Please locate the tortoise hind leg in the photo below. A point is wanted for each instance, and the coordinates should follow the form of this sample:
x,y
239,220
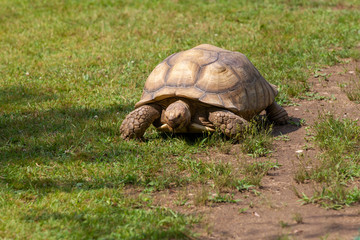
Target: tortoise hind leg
x,y
229,123
277,114
136,122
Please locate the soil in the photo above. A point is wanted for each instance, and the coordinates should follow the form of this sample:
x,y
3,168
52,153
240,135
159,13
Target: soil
x,y
270,214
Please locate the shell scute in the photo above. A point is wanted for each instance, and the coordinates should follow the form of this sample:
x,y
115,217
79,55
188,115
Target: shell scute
x,y
156,78
183,74
212,99
200,56
216,78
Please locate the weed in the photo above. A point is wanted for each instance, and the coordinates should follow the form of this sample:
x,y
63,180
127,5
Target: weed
x,y
224,198
243,210
334,197
317,74
298,218
182,198
222,175
201,197
282,137
301,175
225,147
256,193
215,139
314,96
337,164
257,139
336,135
243,185
352,89
297,123
254,173
283,224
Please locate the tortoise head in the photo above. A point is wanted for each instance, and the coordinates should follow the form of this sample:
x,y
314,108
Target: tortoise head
x,y
178,115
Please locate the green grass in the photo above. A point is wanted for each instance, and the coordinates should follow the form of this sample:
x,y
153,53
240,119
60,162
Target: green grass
x,y
255,171
71,70
352,88
84,214
338,164
257,139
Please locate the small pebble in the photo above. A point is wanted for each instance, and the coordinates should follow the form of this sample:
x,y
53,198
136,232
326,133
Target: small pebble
x,y
299,151
256,214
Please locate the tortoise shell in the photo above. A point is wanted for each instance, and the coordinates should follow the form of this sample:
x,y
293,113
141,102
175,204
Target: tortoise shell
x,y
213,76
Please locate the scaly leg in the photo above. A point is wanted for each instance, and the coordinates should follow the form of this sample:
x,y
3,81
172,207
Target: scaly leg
x,y
229,123
136,122
277,114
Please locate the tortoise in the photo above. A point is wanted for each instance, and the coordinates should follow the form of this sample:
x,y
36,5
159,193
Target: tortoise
x,y
202,89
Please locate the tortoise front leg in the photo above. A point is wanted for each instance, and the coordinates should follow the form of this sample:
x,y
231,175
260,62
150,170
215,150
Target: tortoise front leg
x,y
229,123
136,122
